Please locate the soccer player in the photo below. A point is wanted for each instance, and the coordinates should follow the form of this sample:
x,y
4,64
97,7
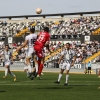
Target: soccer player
x,y
68,56
8,59
98,70
29,40
42,41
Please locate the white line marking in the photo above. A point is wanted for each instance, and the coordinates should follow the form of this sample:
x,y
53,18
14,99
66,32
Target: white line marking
x,y
45,81
48,84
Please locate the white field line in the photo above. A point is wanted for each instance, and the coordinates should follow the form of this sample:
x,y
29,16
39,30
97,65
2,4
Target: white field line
x,y
46,84
25,83
44,81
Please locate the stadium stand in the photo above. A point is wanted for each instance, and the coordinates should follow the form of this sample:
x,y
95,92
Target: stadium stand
x,y
72,26
53,54
64,28
96,32
91,57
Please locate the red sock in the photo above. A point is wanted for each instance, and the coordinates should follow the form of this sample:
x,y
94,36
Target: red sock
x,y
40,69
39,62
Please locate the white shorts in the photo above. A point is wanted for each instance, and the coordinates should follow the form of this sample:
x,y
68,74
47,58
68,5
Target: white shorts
x,y
29,52
65,66
25,67
7,63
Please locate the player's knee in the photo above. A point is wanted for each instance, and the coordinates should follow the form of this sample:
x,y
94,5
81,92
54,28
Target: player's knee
x,y
6,66
67,71
62,70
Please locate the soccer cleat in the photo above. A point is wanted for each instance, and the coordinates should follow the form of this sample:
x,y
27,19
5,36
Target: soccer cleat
x,y
39,78
57,82
98,87
14,78
4,76
65,84
32,78
99,76
42,73
36,74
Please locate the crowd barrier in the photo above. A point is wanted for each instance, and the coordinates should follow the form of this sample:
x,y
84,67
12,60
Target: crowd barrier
x,y
47,65
95,66
56,65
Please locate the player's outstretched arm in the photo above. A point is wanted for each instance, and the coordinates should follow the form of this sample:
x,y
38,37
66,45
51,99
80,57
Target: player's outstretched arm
x,y
24,44
2,54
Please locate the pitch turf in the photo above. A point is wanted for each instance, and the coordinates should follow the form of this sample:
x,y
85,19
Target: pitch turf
x,y
81,87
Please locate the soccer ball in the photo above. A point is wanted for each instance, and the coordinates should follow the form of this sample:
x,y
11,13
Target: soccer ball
x,y
38,10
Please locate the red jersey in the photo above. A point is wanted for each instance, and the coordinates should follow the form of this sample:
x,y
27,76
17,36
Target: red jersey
x,y
42,39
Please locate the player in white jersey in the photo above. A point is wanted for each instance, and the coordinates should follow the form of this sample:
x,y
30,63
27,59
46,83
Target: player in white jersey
x,y
29,41
8,59
68,56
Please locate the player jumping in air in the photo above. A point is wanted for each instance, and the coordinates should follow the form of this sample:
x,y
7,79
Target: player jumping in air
x,y
42,41
29,40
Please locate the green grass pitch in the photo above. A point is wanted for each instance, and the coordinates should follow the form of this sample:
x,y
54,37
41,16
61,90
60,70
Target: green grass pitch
x,y
81,87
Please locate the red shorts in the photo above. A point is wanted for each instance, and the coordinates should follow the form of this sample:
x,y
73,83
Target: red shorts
x,y
39,51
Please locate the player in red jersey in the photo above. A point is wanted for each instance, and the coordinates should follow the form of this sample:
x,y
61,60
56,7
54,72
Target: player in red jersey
x,y
42,41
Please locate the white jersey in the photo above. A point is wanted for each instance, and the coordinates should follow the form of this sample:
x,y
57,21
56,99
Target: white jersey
x,y
68,55
7,56
31,38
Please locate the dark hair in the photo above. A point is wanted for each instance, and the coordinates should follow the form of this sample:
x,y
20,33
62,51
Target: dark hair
x,y
6,45
68,44
46,29
32,29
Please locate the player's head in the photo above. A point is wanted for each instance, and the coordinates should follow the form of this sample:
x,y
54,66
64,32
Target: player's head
x,y
32,29
67,45
46,29
6,46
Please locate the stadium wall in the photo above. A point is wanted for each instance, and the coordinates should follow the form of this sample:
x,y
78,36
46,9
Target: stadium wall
x,y
83,39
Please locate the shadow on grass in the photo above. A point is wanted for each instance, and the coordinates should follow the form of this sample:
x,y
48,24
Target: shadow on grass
x,y
2,91
63,87
56,87
81,85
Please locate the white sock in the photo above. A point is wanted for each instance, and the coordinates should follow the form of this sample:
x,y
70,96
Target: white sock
x,y
36,66
60,75
29,69
27,72
12,74
67,76
6,71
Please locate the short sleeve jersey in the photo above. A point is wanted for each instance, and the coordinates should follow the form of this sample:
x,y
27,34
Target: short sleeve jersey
x,y
31,40
42,39
7,55
68,55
